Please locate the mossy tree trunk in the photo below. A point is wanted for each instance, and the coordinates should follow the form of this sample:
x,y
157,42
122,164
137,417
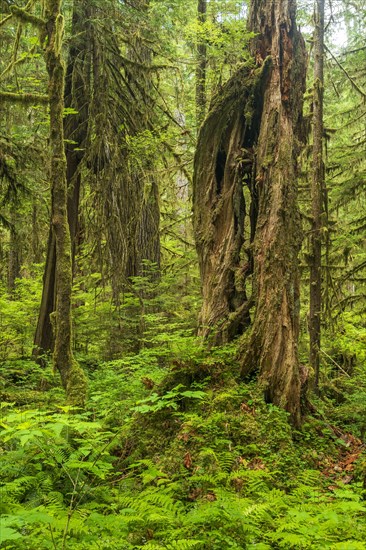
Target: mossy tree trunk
x,y
201,64
272,346
73,378
146,240
124,107
317,186
75,133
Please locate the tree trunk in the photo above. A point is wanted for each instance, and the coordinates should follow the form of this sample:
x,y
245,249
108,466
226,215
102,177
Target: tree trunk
x,y
146,241
36,240
272,346
223,162
75,130
148,233
317,186
201,65
72,377
14,250
43,338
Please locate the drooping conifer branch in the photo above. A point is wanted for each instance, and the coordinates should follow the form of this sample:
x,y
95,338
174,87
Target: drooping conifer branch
x,y
352,81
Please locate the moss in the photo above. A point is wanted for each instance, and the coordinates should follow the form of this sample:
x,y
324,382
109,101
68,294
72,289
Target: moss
x,y
26,17
77,385
25,99
59,33
73,378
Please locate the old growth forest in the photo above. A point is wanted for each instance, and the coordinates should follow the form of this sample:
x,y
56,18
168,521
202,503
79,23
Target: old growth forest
x,y
183,274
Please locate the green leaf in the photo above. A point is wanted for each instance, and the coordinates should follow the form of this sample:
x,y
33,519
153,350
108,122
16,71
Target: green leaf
x,y
7,533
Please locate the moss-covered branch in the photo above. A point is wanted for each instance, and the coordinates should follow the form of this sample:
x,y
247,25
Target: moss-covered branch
x,y
26,17
16,62
26,99
6,19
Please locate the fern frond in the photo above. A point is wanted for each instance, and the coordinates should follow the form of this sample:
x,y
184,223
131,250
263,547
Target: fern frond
x,y
226,460
185,544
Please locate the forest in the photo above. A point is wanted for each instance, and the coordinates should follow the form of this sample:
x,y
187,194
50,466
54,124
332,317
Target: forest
x,y
183,274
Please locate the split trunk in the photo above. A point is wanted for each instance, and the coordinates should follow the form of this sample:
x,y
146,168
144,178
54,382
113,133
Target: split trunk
x,y
272,346
251,137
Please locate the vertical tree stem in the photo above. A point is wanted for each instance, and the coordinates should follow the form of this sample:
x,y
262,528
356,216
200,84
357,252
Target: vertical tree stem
x,y
317,186
73,378
201,65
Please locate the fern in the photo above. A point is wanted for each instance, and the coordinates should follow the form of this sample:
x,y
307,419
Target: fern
x,y
226,460
184,544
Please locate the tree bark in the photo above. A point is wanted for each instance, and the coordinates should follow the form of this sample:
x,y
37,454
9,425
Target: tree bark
x,y
201,65
43,338
272,346
223,163
317,186
36,239
72,377
77,81
130,193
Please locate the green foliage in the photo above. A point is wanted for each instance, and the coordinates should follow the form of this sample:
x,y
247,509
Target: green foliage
x,y
53,466
172,451
18,317
169,400
205,464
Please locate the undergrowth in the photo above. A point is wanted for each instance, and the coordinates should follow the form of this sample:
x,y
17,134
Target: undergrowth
x,y
176,454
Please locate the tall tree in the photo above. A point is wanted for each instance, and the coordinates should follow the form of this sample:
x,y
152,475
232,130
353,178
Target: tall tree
x,y
73,378
201,64
123,115
77,90
317,187
251,135
272,347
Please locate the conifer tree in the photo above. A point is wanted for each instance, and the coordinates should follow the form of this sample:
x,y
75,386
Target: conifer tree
x,y
272,347
73,378
77,100
253,133
317,193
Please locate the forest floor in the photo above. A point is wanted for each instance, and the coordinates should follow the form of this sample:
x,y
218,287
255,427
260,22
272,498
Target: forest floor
x,y
179,455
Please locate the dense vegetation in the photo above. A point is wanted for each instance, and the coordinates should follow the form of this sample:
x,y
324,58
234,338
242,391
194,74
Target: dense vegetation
x,y
158,418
